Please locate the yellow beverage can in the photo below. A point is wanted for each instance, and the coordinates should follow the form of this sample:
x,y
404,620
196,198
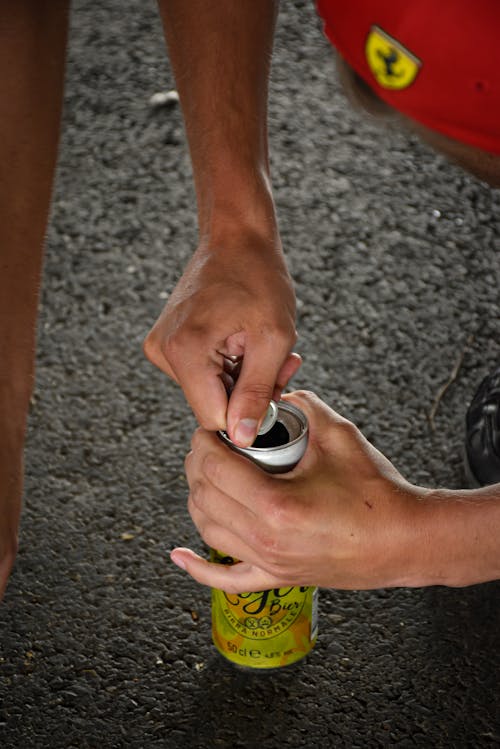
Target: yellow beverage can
x,y
277,627
266,629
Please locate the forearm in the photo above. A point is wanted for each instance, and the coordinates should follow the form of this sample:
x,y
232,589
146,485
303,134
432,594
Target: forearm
x,y
220,53
456,539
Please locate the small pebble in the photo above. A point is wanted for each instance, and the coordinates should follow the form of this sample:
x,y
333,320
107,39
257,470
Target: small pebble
x,y
162,98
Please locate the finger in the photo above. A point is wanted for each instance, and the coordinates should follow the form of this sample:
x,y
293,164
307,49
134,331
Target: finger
x,y
315,409
222,522
204,389
230,473
328,429
229,545
288,370
227,381
201,377
153,353
231,369
322,419
231,365
253,390
238,578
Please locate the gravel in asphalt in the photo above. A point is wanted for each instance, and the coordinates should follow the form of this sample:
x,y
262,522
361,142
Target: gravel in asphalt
x,y
395,255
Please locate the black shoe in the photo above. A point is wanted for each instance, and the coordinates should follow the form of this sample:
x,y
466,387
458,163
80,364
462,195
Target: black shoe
x,y
482,435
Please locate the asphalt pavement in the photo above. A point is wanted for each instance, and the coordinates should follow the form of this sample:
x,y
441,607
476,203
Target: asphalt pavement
x,y
395,255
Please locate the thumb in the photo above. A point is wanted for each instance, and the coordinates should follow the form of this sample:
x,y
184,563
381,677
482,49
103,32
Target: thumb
x,y
288,369
237,578
332,435
251,395
326,426
319,415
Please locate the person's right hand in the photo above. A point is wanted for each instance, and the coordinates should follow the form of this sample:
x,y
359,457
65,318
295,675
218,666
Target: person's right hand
x,y
235,300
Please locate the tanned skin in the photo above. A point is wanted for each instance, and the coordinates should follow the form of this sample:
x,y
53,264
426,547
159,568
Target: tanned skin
x,y
31,31
356,520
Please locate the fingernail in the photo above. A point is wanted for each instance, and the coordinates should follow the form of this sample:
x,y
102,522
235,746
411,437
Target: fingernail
x,y
178,561
246,430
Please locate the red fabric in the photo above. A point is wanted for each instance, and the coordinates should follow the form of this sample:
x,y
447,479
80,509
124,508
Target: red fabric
x,y
457,88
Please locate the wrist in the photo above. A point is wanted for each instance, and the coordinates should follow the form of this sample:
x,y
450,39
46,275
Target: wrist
x,y
453,539
232,202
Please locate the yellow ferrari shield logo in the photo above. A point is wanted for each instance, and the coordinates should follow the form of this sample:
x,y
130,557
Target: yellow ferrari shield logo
x,y
393,65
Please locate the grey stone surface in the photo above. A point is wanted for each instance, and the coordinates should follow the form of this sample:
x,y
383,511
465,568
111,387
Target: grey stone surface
x,y
395,257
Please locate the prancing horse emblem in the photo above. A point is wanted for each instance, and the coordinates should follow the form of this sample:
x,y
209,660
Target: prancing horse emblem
x,y
393,66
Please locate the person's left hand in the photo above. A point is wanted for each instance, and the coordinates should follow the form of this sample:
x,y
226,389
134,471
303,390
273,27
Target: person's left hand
x,y
342,518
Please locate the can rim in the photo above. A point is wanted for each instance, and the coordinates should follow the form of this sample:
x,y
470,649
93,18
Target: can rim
x,y
284,405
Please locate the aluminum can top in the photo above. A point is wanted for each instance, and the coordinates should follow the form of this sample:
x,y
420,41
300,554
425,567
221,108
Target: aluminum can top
x,y
281,448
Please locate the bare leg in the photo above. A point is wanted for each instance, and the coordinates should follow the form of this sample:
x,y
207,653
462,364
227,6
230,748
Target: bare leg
x,y
32,53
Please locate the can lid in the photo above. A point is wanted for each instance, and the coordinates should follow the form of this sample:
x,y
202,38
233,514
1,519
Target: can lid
x,y
269,418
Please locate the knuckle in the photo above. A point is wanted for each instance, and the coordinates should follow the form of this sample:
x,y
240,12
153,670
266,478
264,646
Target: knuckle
x,y
207,421
196,496
307,395
273,555
171,346
267,543
154,350
347,429
270,331
280,509
285,333
256,391
188,461
196,439
193,512
212,468
150,347
173,343
187,335
208,534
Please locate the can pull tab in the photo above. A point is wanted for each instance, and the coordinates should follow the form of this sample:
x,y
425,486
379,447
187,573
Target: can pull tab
x,y
269,418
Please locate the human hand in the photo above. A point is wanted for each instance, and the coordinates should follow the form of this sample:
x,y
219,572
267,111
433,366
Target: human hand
x,y
342,518
234,301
